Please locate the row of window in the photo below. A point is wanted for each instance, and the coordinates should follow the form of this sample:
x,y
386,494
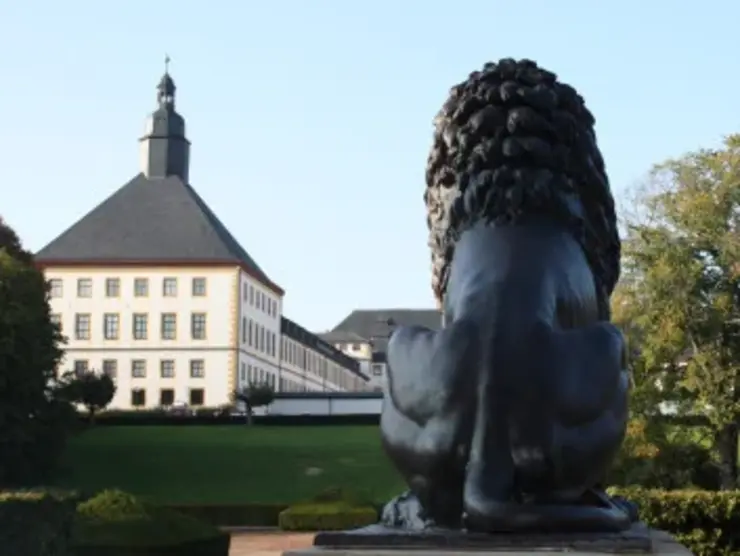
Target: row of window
x,y
303,358
260,300
257,336
253,373
287,385
139,326
196,397
294,353
139,368
141,287
348,347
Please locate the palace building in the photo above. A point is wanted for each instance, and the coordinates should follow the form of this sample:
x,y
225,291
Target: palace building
x,y
363,335
151,288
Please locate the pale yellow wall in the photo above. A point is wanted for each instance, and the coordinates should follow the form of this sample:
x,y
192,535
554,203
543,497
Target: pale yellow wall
x,y
217,350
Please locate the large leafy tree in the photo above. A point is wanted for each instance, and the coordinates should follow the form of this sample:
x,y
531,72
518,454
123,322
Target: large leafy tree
x,y
33,422
680,294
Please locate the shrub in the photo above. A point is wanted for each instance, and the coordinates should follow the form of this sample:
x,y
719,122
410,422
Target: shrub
x,y
114,523
708,523
326,516
158,417
35,523
93,390
650,459
253,515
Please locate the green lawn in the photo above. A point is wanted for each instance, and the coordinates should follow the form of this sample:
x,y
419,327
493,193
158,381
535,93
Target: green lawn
x,y
230,464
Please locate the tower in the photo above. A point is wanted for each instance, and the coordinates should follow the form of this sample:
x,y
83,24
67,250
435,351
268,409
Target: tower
x,y
165,151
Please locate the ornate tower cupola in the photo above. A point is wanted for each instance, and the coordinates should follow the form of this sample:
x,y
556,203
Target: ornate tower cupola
x,y
165,151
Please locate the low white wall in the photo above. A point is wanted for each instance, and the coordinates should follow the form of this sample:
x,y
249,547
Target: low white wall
x,y
335,404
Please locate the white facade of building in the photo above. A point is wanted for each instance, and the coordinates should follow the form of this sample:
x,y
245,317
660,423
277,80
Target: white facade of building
x,y
163,333
259,333
183,335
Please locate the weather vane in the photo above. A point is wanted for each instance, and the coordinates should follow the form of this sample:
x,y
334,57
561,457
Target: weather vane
x,y
166,63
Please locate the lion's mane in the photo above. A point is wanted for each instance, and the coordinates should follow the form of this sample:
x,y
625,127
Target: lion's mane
x,y
512,141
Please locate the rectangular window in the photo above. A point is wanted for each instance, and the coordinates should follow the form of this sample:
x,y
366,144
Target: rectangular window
x,y
166,397
56,287
198,326
244,372
244,291
169,287
197,368
167,368
112,287
169,326
258,304
197,396
262,338
82,326
199,287
110,367
141,287
110,326
56,320
251,295
81,366
84,287
251,340
377,370
141,326
138,368
138,397
244,330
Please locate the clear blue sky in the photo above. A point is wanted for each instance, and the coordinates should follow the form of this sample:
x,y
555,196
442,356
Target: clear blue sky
x,y
311,119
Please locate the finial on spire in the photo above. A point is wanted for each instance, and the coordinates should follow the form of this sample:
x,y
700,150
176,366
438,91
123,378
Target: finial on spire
x,y
167,61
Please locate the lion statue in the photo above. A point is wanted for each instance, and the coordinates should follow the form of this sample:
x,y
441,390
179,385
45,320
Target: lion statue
x,y
508,418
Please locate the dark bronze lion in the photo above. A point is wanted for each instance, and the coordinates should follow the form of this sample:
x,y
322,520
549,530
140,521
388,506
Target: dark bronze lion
x,y
508,418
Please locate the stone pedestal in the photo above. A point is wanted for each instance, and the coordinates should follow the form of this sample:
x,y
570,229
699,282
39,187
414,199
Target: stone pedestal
x,y
377,540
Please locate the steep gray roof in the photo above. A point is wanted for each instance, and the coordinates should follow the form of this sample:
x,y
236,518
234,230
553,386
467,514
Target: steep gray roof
x,y
376,324
343,337
151,220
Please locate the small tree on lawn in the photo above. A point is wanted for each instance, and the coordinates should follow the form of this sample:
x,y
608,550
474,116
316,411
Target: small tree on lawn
x,y
93,390
256,394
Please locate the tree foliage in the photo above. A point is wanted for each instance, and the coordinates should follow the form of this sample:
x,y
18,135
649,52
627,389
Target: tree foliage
x,y
93,390
33,423
680,294
256,394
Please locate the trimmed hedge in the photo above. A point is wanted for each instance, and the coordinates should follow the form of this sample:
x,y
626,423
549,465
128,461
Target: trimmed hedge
x,y
706,522
253,515
114,523
326,516
35,523
160,418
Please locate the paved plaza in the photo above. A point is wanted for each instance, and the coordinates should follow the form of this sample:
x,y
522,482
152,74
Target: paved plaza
x,y
267,543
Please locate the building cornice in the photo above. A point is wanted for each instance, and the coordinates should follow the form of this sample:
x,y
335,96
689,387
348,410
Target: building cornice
x,y
44,264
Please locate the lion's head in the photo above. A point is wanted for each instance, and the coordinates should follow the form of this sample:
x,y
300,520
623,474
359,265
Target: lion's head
x,y
512,141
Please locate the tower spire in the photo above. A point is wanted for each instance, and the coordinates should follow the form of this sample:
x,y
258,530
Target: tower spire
x,y
165,150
